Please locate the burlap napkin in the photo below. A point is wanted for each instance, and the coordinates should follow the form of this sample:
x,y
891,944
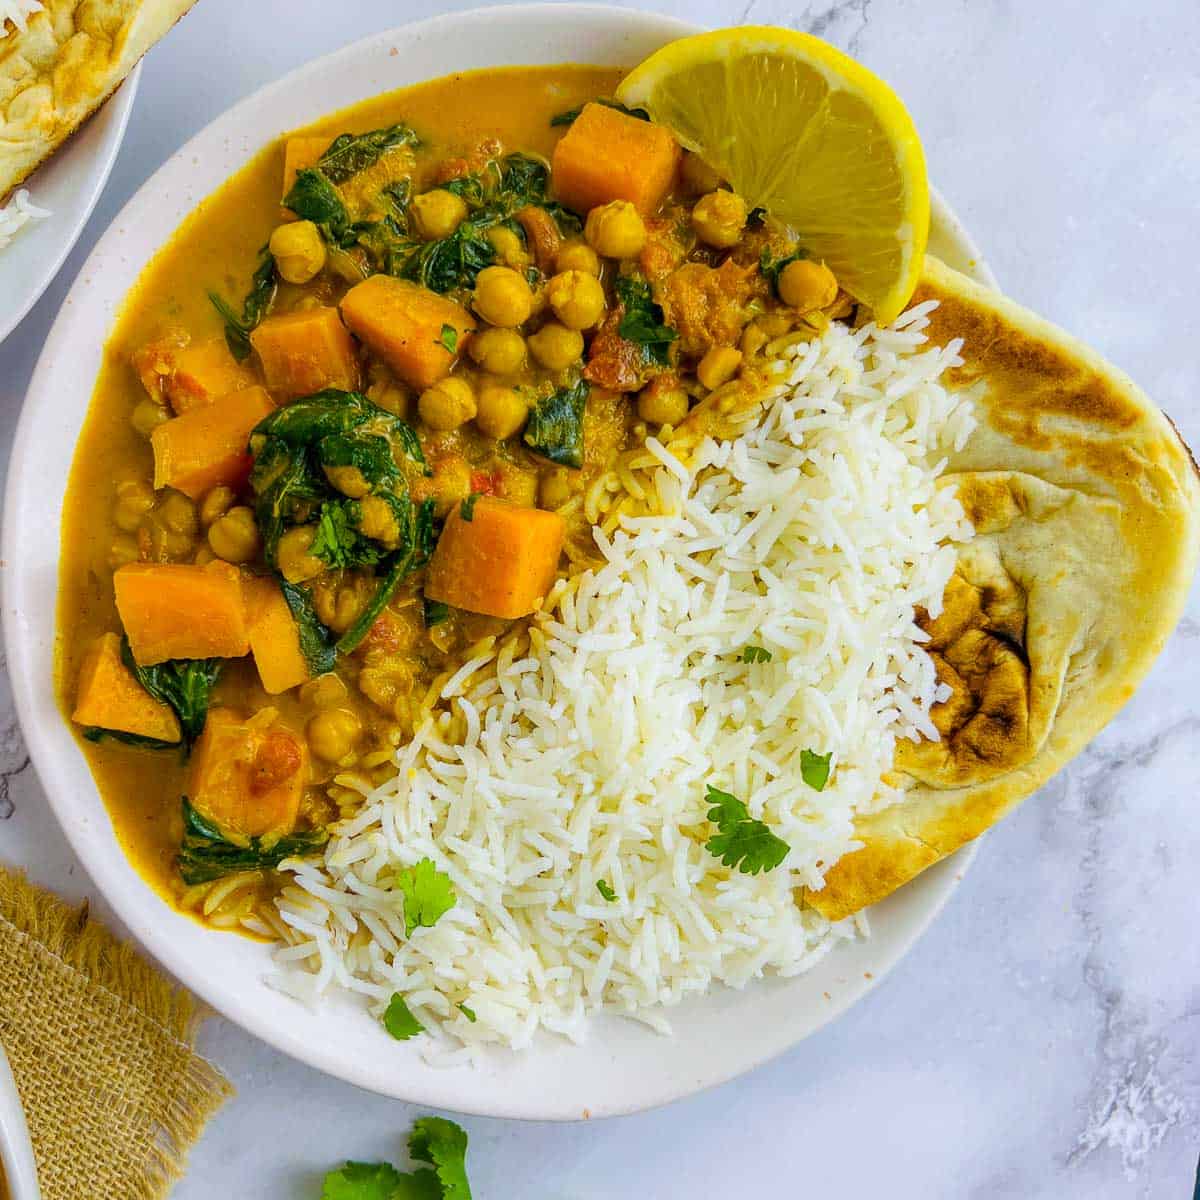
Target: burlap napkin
x,y
102,1049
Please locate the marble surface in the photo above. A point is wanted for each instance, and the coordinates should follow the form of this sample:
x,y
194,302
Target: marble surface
x,y
1041,1040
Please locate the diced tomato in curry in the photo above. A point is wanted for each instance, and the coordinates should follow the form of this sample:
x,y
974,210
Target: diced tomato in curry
x,y
293,510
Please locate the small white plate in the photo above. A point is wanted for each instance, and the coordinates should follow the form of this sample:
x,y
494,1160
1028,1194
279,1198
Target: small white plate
x,y
16,1151
69,185
622,1067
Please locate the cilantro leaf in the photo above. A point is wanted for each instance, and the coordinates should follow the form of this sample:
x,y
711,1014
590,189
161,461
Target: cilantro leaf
x,y
755,654
643,321
741,840
606,890
361,1181
449,338
398,1021
338,542
428,895
469,1013
443,1145
772,267
814,768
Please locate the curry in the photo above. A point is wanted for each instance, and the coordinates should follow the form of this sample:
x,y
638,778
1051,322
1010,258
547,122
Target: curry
x,y
347,426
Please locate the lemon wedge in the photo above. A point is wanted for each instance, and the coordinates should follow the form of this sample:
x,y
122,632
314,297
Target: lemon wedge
x,y
813,137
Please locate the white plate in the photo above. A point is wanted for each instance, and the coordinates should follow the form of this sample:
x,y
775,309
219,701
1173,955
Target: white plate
x,y
623,1067
16,1151
69,186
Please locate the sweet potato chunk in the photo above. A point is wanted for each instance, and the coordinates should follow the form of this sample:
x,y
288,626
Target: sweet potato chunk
x,y
274,637
248,775
501,562
207,446
178,610
205,371
608,155
110,697
303,352
402,322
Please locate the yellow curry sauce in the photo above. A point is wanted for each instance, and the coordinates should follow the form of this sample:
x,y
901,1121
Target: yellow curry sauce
x,y
723,282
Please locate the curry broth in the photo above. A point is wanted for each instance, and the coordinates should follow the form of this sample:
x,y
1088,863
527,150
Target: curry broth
x,y
215,249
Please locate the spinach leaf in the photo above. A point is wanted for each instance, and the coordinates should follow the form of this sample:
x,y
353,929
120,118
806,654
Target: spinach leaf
x,y
206,853
569,117
772,267
94,733
412,554
313,198
555,426
354,152
256,305
370,453
285,484
434,612
316,643
183,684
643,321
467,508
449,263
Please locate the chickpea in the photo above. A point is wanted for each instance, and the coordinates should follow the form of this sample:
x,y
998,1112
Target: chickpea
x,y
234,537
341,605
437,213
577,299
326,691
502,296
698,177
216,503
124,550
662,402
557,487
806,285
333,732
500,351
298,250
556,347
377,519
292,555
147,416
577,256
719,219
391,397
509,247
178,514
615,230
502,410
135,498
718,366
203,556
450,484
350,481
448,404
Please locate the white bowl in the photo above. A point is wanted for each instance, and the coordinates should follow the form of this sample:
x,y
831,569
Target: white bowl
x,y
69,185
16,1151
623,1067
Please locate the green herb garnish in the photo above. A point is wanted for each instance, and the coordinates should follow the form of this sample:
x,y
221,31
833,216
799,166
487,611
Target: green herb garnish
x,y
741,841
443,1145
467,507
814,768
398,1021
449,339
772,267
605,889
643,321
469,1013
428,895
207,853
755,654
256,305
555,426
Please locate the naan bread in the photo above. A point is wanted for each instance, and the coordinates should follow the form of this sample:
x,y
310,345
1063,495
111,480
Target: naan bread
x,y
63,66
1086,505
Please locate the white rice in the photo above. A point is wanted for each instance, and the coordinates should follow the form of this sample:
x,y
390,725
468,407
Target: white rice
x,y
814,535
18,13
17,214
